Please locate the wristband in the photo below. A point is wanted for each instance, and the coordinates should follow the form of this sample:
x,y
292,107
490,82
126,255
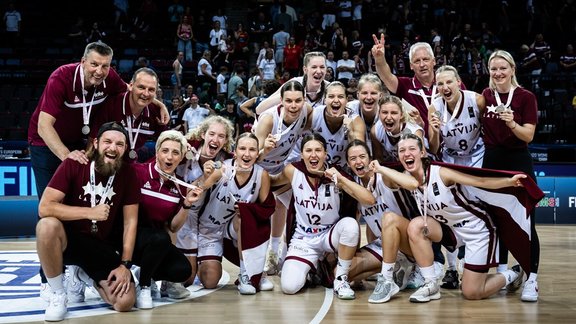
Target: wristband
x,y
186,207
126,263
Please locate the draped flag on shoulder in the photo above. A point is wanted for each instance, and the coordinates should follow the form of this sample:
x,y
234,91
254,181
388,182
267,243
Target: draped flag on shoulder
x,y
255,228
509,208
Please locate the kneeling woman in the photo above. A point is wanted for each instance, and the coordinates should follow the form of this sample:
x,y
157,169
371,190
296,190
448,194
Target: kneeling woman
x,y
318,226
238,194
163,207
456,217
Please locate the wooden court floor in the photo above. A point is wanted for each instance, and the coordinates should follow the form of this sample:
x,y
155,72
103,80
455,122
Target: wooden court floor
x,y
557,303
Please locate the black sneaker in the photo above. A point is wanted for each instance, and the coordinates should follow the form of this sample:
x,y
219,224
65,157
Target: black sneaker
x,y
450,280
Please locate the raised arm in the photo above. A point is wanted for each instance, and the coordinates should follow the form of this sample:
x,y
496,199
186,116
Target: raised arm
x,y
358,192
245,107
393,178
382,67
451,176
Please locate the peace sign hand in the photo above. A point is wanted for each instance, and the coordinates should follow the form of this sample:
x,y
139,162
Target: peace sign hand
x,y
378,48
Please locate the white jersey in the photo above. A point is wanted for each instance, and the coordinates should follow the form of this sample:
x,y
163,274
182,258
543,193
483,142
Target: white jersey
x,y
461,138
218,209
320,99
335,142
386,201
317,209
276,159
452,206
354,107
389,142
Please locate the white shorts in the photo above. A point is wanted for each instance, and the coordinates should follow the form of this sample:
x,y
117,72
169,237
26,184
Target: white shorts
x,y
187,236
211,241
481,252
375,248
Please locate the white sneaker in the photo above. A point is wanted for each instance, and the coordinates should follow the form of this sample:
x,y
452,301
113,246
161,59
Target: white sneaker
x,y
383,291
530,291
245,286
430,291
144,298
45,292
415,279
272,267
342,288
438,269
174,290
57,308
266,284
75,287
402,270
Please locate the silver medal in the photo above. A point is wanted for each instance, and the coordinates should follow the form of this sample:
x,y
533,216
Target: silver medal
x,y
132,154
94,228
85,129
500,109
437,114
189,155
217,165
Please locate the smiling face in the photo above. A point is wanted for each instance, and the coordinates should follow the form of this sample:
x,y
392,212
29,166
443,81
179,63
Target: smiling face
x,y
368,95
315,70
335,101
390,115
214,139
110,148
96,68
501,72
410,155
169,156
358,160
143,90
246,152
448,86
422,63
314,156
292,103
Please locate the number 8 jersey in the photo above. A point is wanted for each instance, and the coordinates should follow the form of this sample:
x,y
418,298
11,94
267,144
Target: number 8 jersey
x,y
461,133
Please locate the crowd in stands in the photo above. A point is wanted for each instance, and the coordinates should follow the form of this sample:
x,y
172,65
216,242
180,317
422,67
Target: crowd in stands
x,y
270,39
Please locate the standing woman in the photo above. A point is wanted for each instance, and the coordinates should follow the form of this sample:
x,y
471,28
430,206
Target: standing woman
x,y
313,82
205,74
278,130
318,225
393,122
454,128
509,123
185,36
370,89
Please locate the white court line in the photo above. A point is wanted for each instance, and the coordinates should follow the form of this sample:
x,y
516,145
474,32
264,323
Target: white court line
x,y
328,298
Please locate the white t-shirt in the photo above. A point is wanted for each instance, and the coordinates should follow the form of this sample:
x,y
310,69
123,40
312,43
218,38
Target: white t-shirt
x,y
194,116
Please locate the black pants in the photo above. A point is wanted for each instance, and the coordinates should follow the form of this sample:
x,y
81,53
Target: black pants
x,y
96,257
158,258
501,158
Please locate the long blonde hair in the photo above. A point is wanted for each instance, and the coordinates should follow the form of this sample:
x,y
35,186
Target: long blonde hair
x,y
406,118
197,132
